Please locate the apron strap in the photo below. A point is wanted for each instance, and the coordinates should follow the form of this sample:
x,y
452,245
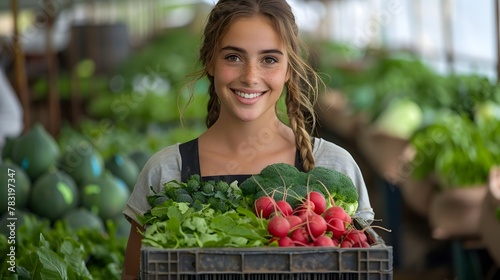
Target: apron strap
x,y
190,159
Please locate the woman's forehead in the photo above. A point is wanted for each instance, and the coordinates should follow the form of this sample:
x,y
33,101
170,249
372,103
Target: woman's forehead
x,y
254,32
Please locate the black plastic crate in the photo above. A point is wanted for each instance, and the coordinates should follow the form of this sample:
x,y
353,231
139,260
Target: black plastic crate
x,y
269,263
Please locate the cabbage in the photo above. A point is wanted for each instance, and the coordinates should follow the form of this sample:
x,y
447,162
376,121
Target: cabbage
x,y
487,111
401,118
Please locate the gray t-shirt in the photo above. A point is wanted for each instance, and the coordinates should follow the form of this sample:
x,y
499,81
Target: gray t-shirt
x,y
166,164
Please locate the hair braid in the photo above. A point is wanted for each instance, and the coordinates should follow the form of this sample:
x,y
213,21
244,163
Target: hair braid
x,y
302,92
298,125
213,107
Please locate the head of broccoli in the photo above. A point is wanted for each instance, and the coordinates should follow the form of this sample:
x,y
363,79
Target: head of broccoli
x,y
274,175
334,184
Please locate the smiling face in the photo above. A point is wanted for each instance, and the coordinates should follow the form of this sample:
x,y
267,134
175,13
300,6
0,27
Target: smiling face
x,y
250,70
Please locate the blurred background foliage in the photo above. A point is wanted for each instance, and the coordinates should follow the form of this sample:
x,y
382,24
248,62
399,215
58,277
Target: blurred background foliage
x,y
131,99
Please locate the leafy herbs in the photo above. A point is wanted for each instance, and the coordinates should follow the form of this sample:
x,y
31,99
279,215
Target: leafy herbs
x,y
460,151
176,225
218,195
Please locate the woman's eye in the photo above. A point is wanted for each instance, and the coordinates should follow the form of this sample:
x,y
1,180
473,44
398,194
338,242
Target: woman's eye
x,y
232,58
270,60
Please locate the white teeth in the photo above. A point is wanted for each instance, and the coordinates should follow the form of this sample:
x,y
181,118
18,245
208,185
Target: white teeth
x,y
247,95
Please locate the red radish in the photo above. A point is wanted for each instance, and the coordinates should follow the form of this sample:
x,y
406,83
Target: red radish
x,y
337,227
278,226
346,244
335,241
286,241
356,235
335,224
324,241
338,234
295,221
303,216
361,244
316,225
300,236
264,206
337,212
307,207
318,200
284,207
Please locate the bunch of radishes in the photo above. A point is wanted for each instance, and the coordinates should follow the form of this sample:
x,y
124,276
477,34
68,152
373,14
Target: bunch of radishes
x,y
312,223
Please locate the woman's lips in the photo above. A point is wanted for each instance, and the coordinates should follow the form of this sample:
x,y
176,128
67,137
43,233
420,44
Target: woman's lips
x,y
247,95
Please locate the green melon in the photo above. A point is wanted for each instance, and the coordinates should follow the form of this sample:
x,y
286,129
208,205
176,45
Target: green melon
x,y
82,161
13,177
82,218
8,147
106,196
36,151
124,168
53,194
140,157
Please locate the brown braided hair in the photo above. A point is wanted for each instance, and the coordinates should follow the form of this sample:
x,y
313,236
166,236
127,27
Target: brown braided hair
x,y
301,88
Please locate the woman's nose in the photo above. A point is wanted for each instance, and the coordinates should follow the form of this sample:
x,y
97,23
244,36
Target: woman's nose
x,y
250,73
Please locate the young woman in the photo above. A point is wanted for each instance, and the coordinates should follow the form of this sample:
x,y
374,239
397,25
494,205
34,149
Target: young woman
x,y
251,54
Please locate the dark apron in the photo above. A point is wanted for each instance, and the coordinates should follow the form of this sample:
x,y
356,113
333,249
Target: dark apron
x,y
191,164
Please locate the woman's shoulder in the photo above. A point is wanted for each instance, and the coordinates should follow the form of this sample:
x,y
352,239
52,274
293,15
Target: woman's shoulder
x,y
331,155
166,160
327,149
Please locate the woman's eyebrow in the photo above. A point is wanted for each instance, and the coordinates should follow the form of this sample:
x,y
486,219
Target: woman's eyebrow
x,y
240,50
233,48
274,51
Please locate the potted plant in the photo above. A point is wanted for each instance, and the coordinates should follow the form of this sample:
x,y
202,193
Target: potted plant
x,y
460,152
489,222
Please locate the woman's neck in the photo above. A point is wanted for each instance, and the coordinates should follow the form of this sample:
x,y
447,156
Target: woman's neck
x,y
245,148
233,134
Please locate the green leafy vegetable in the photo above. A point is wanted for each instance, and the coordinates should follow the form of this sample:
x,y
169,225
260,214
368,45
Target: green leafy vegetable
x,y
218,195
284,181
458,150
176,225
57,252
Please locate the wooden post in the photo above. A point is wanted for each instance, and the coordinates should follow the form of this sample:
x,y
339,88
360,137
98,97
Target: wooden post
x,y
20,80
73,57
52,73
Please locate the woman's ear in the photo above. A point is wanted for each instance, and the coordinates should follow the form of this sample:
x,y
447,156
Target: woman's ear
x,y
210,69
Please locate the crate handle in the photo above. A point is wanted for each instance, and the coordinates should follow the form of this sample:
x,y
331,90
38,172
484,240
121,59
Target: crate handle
x,y
377,241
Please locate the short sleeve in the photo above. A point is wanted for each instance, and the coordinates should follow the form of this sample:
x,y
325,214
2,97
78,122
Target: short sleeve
x,y
162,167
332,156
